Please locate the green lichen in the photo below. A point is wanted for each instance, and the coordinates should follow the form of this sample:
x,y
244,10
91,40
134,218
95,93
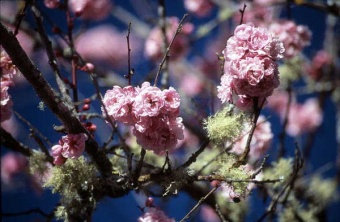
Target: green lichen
x,y
223,126
294,211
38,165
74,181
228,170
282,169
291,70
322,191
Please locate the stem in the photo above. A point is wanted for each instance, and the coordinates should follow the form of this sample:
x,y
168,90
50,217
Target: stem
x,y
199,203
130,71
166,55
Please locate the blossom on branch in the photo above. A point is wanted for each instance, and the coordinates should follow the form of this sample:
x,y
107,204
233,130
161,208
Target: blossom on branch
x,y
89,9
154,215
294,37
152,112
250,69
70,146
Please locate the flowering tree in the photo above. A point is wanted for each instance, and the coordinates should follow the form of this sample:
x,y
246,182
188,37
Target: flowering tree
x,y
222,104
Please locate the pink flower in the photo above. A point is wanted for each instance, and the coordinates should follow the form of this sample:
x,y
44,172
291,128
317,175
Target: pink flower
x,y
152,112
149,102
154,43
154,215
260,142
52,3
304,118
208,214
191,85
89,9
278,102
5,102
57,155
250,66
70,146
105,44
118,102
12,164
294,37
320,60
8,69
161,134
198,7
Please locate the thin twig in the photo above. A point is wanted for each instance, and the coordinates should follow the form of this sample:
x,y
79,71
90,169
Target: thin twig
x,y
194,156
283,134
257,110
10,142
139,167
199,203
130,71
21,118
50,54
20,17
178,30
242,11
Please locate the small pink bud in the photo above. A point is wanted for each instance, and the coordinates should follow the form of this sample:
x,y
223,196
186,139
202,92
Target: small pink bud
x,y
88,67
87,101
149,202
86,107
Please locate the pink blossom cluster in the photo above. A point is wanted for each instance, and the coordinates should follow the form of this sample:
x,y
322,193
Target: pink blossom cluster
x,y
320,60
52,3
152,112
302,118
199,7
294,37
154,215
260,142
70,146
250,66
12,164
89,9
8,72
104,44
154,43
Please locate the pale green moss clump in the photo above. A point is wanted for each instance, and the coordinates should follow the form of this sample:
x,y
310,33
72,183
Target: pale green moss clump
x,y
230,172
282,169
74,181
291,70
38,165
322,191
224,125
295,210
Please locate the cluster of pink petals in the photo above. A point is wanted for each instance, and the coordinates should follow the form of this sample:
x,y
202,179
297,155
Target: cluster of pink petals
x,y
12,164
89,9
320,60
154,43
152,112
260,142
294,37
70,146
250,65
199,7
302,118
52,3
104,44
8,72
154,215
